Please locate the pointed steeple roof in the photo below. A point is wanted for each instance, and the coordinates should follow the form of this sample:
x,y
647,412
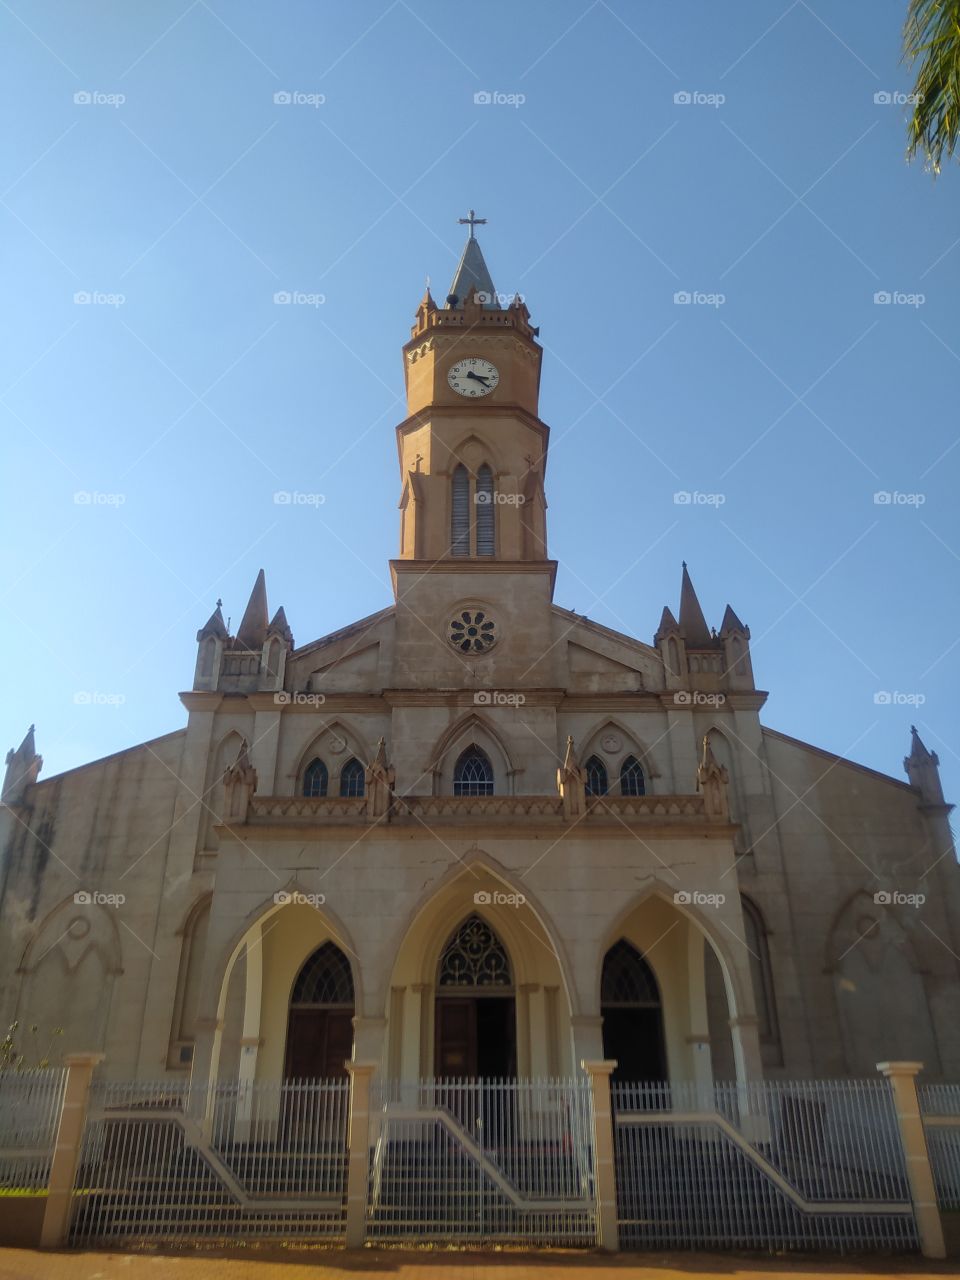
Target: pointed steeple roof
x,y
918,751
253,627
732,623
693,623
472,274
668,623
214,626
280,627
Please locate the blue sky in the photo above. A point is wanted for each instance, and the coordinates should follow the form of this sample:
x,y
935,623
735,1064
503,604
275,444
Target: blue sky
x,y
177,184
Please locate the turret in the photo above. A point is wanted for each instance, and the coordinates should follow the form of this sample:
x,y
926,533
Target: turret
x,y
735,638
923,770
252,660
210,639
669,641
23,768
697,659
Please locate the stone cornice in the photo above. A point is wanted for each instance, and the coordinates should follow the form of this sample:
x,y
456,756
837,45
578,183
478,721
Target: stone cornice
x,y
464,698
484,410
469,566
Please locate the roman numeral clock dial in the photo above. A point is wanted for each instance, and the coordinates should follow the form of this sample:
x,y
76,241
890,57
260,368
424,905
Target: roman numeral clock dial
x,y
473,376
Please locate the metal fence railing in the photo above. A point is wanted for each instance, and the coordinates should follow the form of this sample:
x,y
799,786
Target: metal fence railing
x,y
483,1160
162,1162
799,1164
30,1104
940,1109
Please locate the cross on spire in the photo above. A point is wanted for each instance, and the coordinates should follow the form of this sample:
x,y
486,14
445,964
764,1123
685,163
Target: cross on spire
x,y
471,222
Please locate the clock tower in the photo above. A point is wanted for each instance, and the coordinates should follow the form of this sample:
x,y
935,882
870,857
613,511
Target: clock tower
x,y
472,452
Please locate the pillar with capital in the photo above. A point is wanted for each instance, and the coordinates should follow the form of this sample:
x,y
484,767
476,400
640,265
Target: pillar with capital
x,y
903,1083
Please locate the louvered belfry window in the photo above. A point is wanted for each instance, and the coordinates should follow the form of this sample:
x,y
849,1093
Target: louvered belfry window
x,y
460,512
485,512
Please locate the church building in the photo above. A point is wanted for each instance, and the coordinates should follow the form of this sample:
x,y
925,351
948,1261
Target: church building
x,y
477,834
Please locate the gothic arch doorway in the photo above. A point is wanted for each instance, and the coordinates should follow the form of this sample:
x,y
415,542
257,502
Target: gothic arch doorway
x,y
320,1023
632,1015
476,1017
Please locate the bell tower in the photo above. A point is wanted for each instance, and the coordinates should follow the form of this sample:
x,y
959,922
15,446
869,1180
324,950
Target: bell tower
x,y
472,453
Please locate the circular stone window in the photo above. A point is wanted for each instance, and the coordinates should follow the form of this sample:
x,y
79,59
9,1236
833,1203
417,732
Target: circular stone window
x,y
472,631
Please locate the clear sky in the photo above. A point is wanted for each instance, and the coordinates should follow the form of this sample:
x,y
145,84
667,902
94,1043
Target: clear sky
x,y
182,197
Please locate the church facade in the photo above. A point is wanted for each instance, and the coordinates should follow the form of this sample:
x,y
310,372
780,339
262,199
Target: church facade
x,y
477,834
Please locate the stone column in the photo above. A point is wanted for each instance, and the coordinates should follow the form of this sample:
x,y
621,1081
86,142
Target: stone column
x,y
66,1154
903,1083
605,1174
525,992
251,1042
587,1037
358,1148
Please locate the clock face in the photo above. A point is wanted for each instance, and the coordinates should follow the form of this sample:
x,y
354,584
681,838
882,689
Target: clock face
x,y
473,376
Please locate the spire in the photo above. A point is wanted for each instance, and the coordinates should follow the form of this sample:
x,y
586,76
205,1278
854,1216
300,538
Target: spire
x,y
280,627
23,768
214,626
923,769
668,623
472,275
692,622
253,628
732,623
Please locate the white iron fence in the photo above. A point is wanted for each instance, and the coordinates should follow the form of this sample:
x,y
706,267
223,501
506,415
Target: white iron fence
x,y
162,1162
483,1161
29,1114
940,1108
811,1164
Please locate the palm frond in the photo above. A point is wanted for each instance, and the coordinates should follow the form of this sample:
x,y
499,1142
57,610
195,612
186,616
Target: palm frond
x,y
932,35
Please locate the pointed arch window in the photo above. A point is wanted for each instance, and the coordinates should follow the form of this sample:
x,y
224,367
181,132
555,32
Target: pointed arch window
x,y
474,957
628,981
473,773
315,778
460,512
351,778
486,509
755,932
325,979
596,772
631,778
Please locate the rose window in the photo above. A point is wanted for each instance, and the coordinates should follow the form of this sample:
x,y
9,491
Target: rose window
x,y
472,631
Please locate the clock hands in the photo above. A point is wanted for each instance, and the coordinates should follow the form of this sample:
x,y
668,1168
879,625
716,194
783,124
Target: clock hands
x,y
477,377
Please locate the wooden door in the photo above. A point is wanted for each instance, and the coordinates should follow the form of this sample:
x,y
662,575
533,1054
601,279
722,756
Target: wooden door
x,y
456,1038
319,1041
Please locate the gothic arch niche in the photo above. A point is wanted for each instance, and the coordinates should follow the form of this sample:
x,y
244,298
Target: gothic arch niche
x,y
725,755
472,731
224,756
537,964
764,991
69,969
475,1035
615,746
186,1009
632,1013
334,746
882,1004
320,1022
473,508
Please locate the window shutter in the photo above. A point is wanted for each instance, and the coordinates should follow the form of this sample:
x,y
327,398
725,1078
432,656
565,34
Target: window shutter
x,y
460,512
486,537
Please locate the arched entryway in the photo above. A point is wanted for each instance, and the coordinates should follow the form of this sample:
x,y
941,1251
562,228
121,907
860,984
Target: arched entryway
x,y
476,1017
320,1023
632,1014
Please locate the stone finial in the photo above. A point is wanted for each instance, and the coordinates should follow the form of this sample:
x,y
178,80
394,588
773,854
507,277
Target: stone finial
x,y
23,768
379,781
923,769
239,784
253,625
712,779
572,784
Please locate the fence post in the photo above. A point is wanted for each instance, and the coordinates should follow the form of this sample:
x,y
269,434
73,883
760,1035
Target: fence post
x,y
605,1174
358,1146
66,1152
903,1082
